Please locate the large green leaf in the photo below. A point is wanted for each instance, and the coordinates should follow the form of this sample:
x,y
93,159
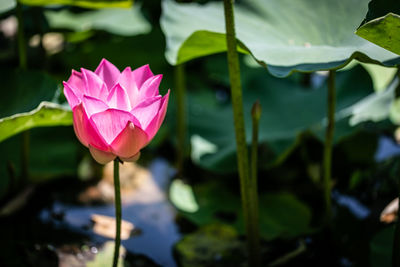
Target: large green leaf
x,y
125,22
281,214
24,102
81,3
284,35
288,110
383,31
375,107
46,114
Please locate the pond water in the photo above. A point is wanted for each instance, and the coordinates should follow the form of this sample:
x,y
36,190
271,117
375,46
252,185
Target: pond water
x,y
147,208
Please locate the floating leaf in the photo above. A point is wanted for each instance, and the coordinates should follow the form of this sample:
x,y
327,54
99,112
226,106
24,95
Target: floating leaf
x,y
81,3
285,36
126,22
211,244
182,197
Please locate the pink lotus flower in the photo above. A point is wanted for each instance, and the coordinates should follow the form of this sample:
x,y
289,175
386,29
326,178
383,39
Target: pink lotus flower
x,y
115,113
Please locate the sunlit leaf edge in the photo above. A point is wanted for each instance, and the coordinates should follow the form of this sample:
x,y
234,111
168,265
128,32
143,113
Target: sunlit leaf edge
x,y
46,114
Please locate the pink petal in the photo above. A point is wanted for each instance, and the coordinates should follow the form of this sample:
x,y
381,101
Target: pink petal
x,y
100,156
127,82
94,85
155,124
76,82
108,73
111,122
129,142
84,130
142,74
131,159
93,105
147,110
118,98
150,86
72,98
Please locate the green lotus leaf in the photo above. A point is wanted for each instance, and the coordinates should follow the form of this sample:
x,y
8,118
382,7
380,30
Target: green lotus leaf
x,y
283,35
46,114
126,22
383,31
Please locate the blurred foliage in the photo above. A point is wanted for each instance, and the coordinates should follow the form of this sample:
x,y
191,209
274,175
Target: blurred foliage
x,y
126,22
281,214
61,38
282,101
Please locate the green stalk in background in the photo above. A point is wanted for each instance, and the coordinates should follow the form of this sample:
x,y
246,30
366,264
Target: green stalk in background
x,y
180,90
327,164
242,154
21,38
255,114
117,195
23,65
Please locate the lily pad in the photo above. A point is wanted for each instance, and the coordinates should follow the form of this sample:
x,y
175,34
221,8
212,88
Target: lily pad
x,y
289,109
212,245
81,3
284,36
281,214
126,22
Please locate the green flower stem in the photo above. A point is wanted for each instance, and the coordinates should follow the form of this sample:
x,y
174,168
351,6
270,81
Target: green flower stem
x,y
242,154
23,66
327,164
117,194
180,91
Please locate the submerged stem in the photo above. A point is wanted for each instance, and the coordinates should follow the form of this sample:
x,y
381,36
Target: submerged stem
x,y
242,153
117,193
181,114
327,164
